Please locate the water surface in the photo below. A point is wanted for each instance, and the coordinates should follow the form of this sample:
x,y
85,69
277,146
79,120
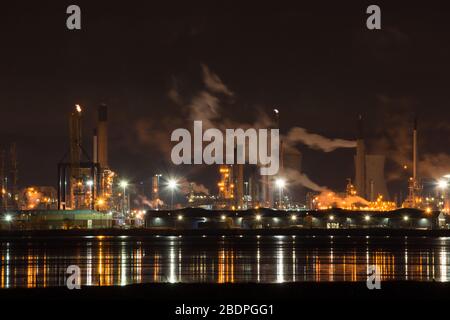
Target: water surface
x,y
219,259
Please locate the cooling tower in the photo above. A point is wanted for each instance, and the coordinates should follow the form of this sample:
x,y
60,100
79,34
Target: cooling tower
x,y
375,181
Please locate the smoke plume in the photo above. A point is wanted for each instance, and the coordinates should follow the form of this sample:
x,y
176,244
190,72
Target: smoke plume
x,y
152,204
395,140
297,178
435,165
315,141
207,106
214,83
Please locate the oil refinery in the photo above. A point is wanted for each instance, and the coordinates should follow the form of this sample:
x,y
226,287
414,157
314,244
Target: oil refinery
x,y
90,194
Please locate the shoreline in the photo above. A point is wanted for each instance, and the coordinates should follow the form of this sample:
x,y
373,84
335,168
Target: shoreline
x,y
142,232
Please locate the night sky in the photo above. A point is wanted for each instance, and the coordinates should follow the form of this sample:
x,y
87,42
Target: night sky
x,y
318,64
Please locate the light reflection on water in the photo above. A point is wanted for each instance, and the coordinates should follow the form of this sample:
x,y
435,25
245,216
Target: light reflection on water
x,y
121,261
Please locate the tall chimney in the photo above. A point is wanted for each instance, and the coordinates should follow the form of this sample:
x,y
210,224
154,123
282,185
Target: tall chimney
x,y
75,128
360,161
14,174
155,187
95,146
240,186
102,136
3,186
415,151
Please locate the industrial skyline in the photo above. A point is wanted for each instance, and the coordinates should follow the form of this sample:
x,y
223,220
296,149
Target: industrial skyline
x,y
85,180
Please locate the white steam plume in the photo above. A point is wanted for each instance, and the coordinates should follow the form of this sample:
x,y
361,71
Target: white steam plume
x,y
297,178
152,204
315,141
214,83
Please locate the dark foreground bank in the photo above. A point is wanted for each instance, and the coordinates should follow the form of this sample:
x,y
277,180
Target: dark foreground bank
x,y
233,301
177,292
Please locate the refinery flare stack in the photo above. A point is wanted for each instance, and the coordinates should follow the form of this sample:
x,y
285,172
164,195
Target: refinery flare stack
x,y
85,182
414,199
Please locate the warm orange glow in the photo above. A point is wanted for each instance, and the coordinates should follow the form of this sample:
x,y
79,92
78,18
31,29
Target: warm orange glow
x,y
226,187
100,201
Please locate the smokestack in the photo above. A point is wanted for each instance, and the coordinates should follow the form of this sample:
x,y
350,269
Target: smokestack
x,y
75,137
3,180
414,187
277,126
155,187
102,136
360,161
415,151
75,133
253,186
239,179
14,174
95,147
240,186
360,135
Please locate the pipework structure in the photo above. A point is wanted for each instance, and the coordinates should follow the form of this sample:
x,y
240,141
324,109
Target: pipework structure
x,y
85,183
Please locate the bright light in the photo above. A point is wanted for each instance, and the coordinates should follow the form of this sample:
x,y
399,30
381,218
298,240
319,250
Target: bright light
x,y
78,108
276,111
442,184
89,183
223,217
331,217
258,217
367,218
172,184
406,218
281,183
294,217
123,184
8,218
275,220
180,217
